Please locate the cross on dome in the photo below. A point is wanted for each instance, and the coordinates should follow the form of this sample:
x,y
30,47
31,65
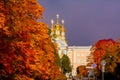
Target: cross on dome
x,y
52,21
57,18
62,21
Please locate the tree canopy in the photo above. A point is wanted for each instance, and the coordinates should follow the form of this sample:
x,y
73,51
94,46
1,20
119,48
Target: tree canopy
x,y
108,50
101,48
65,64
26,49
81,71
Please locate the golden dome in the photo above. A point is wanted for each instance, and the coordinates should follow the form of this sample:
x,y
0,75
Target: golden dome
x,y
57,26
62,29
52,30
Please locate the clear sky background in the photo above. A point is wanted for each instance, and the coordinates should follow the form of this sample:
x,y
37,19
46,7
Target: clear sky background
x,y
86,21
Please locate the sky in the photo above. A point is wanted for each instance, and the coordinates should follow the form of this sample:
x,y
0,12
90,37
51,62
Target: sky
x,y
86,21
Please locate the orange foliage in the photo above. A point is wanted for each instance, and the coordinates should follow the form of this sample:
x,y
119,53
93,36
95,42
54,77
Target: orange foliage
x,y
82,71
101,48
25,46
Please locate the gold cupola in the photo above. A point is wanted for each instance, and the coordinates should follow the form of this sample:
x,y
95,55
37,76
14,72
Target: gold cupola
x,y
63,28
57,26
52,26
58,29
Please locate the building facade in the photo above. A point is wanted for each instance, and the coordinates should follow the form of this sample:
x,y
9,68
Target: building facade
x,y
78,55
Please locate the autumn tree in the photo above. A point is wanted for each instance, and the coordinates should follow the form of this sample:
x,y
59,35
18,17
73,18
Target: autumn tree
x,y
117,71
81,71
26,50
112,60
112,57
101,48
108,50
117,50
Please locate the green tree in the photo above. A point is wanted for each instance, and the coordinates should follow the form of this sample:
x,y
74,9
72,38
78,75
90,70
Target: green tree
x,y
65,64
55,50
56,55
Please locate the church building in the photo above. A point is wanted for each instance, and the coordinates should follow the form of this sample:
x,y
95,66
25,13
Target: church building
x,y
78,55
58,35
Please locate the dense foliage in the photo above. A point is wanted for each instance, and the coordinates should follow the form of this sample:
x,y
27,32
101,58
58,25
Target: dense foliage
x,y
108,50
82,71
101,48
65,64
26,50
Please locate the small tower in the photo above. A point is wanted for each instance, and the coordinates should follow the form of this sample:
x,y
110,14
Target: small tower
x,y
52,29
57,26
58,35
62,31
57,16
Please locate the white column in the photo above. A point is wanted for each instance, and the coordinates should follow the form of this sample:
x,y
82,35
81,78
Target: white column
x,y
74,57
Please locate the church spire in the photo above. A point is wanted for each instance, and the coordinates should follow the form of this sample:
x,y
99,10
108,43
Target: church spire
x,y
52,29
57,16
63,31
52,22
62,22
